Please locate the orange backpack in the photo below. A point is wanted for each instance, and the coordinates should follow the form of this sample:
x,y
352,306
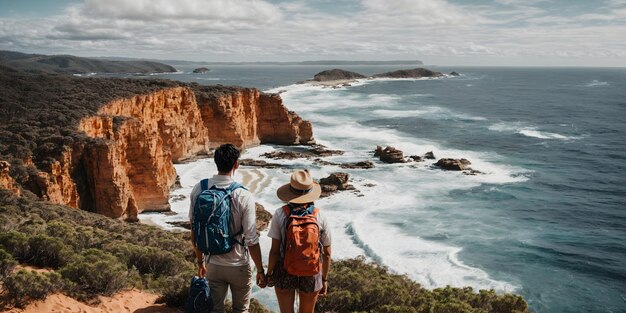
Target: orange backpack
x,y
302,248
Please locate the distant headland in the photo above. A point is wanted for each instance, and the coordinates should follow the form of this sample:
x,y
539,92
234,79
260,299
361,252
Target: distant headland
x,y
69,64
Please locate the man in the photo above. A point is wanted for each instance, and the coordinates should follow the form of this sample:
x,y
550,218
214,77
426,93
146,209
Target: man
x,y
231,269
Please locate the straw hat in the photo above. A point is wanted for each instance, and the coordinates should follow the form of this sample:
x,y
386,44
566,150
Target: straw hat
x,y
301,189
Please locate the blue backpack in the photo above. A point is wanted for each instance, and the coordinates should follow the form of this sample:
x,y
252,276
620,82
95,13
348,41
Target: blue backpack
x,y
212,219
199,299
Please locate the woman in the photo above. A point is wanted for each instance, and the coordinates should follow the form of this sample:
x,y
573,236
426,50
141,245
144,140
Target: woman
x,y
299,259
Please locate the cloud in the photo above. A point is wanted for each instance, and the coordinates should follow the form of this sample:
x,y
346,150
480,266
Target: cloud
x,y
206,10
312,29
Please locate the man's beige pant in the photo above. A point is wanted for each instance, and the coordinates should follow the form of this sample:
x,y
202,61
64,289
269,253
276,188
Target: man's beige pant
x,y
239,278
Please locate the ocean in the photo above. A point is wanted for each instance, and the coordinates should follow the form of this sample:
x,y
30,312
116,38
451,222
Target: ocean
x,y
546,219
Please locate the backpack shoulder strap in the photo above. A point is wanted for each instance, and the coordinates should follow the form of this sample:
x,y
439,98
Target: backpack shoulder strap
x,y
287,210
234,186
204,184
315,211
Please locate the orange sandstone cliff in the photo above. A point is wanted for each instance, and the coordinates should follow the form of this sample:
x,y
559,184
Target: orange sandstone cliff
x,y
247,117
127,164
6,181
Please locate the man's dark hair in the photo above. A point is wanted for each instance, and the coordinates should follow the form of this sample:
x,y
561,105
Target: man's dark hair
x,y
225,157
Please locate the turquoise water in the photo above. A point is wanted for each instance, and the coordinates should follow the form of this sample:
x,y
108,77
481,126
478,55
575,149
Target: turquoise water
x,y
547,219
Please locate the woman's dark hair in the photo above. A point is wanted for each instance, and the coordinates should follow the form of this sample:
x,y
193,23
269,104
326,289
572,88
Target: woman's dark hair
x,y
225,157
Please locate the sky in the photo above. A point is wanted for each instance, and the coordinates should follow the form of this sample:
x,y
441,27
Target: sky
x,y
438,32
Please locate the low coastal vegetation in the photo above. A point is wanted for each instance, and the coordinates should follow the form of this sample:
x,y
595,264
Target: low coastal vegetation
x,y
87,255
69,64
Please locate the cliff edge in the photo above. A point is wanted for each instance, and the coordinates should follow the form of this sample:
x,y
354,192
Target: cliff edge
x,y
108,145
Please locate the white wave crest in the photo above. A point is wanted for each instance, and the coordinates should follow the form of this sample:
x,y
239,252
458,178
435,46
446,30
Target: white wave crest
x,y
428,112
596,83
529,131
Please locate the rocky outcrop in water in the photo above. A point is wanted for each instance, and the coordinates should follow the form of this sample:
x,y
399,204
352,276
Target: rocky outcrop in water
x,y
416,158
358,165
259,163
318,151
201,70
455,74
453,164
389,154
335,182
411,73
336,74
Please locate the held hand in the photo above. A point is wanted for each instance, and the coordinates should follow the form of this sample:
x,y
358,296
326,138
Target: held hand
x,y
261,279
324,289
201,269
269,278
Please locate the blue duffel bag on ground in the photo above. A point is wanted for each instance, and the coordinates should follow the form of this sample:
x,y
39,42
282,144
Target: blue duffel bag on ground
x,y
199,300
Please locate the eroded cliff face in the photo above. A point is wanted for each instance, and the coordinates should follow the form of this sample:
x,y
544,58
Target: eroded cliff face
x,y
278,125
127,164
6,181
247,117
55,183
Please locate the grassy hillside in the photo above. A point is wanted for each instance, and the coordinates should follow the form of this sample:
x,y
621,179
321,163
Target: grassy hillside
x,y
69,64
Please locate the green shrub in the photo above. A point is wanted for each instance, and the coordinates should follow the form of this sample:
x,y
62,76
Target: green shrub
x,y
174,290
95,272
7,264
47,251
358,286
147,260
16,244
24,286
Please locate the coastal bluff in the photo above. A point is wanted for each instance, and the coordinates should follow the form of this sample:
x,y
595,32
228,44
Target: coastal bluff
x,y
108,145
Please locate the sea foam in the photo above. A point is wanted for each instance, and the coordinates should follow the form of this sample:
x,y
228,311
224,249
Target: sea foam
x,y
529,131
596,83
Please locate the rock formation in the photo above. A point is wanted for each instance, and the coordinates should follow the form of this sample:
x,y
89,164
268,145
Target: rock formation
x,y
360,164
389,154
278,125
263,217
453,164
128,165
335,182
416,158
259,163
412,73
55,183
455,74
429,155
318,151
201,70
6,181
336,74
